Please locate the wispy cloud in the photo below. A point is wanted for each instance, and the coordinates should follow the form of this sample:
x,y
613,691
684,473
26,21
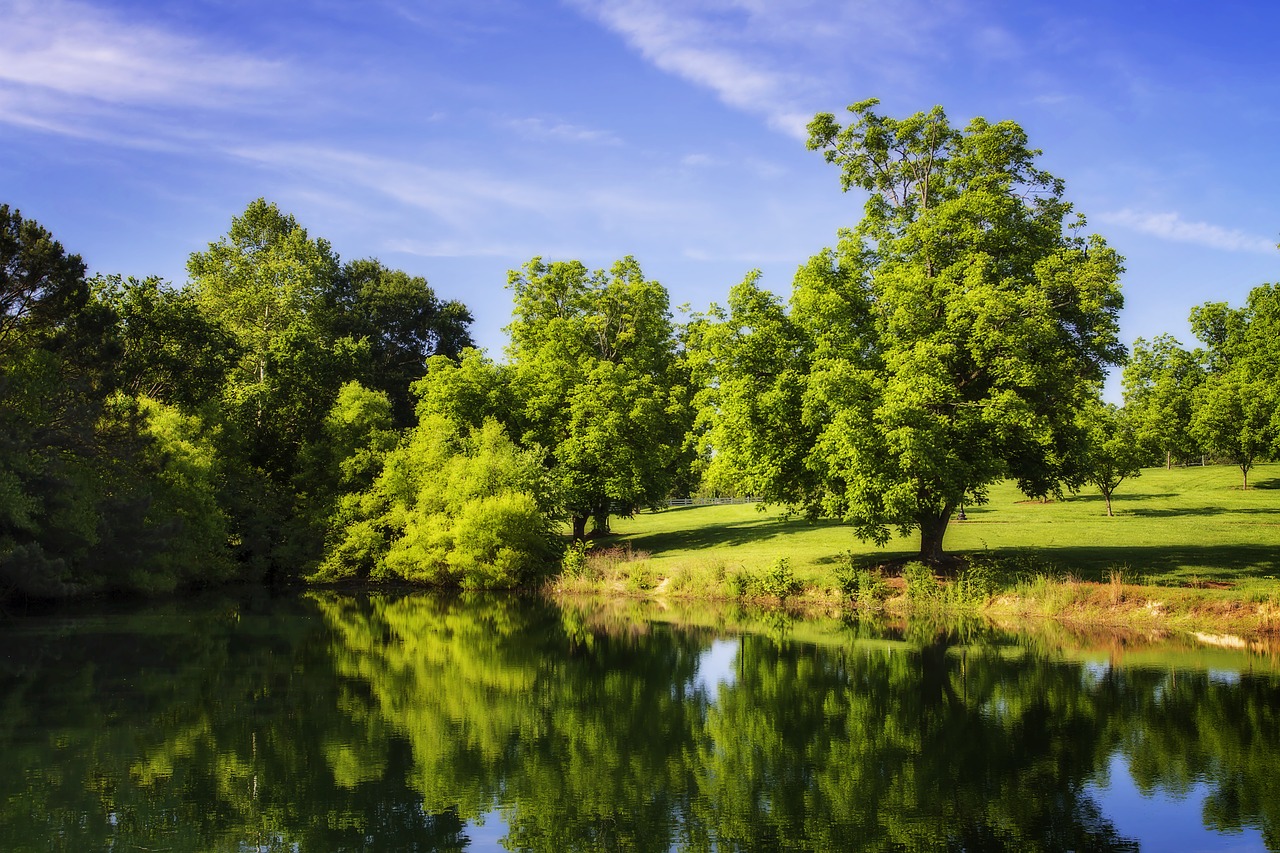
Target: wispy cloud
x,y
476,249
782,61
63,60
460,197
560,131
453,195
675,38
1171,226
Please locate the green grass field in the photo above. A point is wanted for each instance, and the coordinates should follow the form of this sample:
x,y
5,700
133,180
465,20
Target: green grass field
x,y
1188,526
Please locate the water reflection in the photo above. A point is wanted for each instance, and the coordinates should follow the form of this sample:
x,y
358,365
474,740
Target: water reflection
x,y
417,722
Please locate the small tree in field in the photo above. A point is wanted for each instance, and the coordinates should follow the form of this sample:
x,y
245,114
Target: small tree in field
x,y
1112,453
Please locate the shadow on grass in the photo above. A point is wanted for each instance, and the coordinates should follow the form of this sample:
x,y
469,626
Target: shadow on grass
x,y
1169,565
756,530
1273,483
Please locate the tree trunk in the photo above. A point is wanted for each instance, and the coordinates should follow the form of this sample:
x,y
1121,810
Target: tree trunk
x,y
933,526
1107,496
580,527
1244,469
1168,460
600,519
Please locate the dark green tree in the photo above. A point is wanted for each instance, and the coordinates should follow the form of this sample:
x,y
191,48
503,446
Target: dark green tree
x,y
404,323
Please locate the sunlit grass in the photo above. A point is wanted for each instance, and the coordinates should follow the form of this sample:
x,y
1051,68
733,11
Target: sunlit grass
x,y
1188,526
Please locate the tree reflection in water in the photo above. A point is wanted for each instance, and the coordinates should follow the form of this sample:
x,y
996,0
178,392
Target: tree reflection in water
x,y
396,722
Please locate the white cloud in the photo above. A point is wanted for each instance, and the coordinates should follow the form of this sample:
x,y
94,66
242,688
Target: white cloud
x,y
1171,226
675,39
697,161
475,249
453,195
463,198
559,131
62,60
782,61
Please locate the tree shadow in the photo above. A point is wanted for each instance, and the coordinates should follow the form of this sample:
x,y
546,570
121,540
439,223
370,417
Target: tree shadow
x,y
763,529
1160,563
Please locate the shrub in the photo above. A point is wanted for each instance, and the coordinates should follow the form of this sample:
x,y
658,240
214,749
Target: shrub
x,y
779,580
574,562
921,584
866,587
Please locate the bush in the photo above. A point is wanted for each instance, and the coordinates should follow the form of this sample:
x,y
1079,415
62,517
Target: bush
x,y
574,562
780,581
921,584
866,587
972,587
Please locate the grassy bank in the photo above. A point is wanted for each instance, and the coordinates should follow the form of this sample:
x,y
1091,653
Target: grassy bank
x,y
1186,550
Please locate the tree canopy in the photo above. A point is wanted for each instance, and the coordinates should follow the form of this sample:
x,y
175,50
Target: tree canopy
x,y
944,343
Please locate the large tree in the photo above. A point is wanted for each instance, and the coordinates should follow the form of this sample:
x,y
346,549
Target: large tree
x,y
403,323
595,374
949,339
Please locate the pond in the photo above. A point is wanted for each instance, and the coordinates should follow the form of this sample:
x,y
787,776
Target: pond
x,y
329,722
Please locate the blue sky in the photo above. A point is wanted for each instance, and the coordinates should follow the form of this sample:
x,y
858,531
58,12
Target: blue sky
x,y
456,140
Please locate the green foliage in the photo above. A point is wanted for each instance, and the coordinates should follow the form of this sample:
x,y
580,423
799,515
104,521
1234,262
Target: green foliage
x,y
1237,408
779,581
1235,418
1113,452
922,586
447,508
1160,380
402,322
597,385
941,346
574,561
866,587
170,349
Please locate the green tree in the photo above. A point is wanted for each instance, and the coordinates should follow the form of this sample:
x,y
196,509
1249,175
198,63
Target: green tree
x,y
750,364
262,278
449,507
1237,410
1160,380
264,281
170,349
950,336
595,373
1235,419
58,442
1113,452
404,323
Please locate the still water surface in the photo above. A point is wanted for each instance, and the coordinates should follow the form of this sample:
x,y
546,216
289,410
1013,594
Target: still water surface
x,y
329,722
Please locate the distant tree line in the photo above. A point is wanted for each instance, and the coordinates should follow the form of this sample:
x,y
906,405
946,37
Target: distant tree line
x,y
285,415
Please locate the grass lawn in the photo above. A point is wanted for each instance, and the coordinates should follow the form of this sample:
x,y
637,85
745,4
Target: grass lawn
x,y
1185,527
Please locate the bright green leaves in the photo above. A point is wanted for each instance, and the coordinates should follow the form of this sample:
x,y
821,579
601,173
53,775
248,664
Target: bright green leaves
x,y
597,384
448,507
1236,410
1160,382
944,344
263,277
1236,417
1112,451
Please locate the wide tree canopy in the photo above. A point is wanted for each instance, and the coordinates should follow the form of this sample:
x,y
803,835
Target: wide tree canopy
x,y
947,340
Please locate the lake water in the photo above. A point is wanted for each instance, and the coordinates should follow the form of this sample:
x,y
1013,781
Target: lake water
x,y
379,723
